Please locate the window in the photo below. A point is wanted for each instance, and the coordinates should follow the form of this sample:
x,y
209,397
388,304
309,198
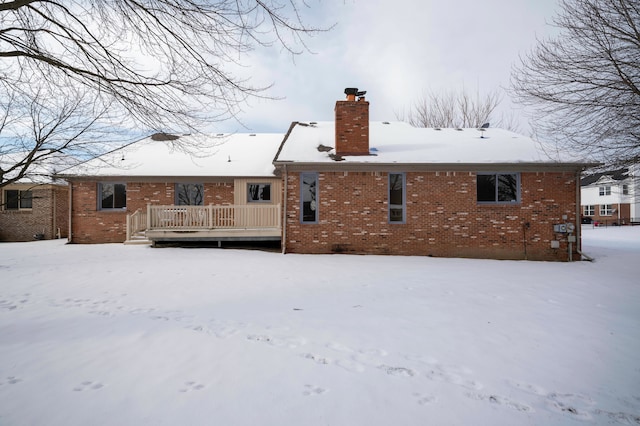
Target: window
x,y
112,196
17,200
498,187
396,197
189,194
589,210
606,209
308,197
258,192
605,190
625,189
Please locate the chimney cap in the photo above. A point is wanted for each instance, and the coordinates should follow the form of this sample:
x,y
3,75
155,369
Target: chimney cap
x,y
351,91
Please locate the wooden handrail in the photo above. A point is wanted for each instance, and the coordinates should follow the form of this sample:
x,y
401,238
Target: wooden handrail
x,y
213,217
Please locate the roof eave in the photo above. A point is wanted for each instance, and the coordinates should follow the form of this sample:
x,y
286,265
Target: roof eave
x,y
347,165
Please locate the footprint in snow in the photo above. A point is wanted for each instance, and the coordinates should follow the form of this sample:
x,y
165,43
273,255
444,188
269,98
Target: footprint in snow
x,y
88,385
398,371
424,399
10,380
310,390
500,400
192,386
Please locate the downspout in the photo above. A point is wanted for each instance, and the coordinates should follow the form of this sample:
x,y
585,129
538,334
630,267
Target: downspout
x,y
70,211
578,221
54,216
284,213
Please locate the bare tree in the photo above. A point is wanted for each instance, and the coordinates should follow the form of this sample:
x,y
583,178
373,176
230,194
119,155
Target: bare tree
x,y
583,86
166,63
41,131
456,110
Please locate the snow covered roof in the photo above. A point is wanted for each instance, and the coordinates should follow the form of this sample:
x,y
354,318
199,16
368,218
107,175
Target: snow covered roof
x,y
222,155
41,170
618,174
401,143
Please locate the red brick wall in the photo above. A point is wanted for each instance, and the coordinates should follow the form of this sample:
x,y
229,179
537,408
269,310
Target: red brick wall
x,y
443,218
621,215
22,225
91,225
352,127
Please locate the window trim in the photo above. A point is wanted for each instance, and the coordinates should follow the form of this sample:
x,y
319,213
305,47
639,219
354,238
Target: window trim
x,y
518,199
99,197
265,184
403,220
604,190
314,175
589,210
19,200
177,194
604,209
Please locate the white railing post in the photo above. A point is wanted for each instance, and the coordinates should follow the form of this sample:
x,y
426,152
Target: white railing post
x,y
149,215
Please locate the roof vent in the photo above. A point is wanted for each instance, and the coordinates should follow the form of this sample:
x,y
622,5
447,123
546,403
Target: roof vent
x,y
324,148
161,136
252,134
385,122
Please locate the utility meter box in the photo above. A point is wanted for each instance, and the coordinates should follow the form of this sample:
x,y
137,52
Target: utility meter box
x,y
560,228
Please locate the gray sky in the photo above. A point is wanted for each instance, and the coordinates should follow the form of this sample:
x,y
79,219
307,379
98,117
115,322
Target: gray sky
x,y
395,50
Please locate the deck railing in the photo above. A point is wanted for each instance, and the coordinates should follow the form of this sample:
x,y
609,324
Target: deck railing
x,y
212,217
136,222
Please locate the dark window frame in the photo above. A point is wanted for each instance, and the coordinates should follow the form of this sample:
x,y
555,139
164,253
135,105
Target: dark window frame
x,y
259,191
498,197
180,199
309,180
23,200
119,201
393,217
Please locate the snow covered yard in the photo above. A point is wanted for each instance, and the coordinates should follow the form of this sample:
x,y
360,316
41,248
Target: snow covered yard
x,y
130,335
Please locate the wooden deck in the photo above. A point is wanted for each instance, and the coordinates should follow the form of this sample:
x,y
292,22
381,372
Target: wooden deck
x,y
206,223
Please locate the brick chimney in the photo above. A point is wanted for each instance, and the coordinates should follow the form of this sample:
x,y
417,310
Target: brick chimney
x,y
352,124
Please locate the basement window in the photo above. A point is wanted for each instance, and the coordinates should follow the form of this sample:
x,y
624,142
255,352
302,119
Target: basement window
x,y
189,194
18,200
112,196
308,197
498,188
258,192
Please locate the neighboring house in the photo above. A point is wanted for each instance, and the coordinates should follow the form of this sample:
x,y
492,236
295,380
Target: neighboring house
x,y
352,186
167,188
34,207
612,197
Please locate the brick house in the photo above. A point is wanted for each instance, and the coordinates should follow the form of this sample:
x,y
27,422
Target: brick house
x,y
611,197
36,205
178,188
347,186
31,210
355,186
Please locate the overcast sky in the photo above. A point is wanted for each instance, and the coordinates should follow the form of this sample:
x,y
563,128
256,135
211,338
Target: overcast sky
x,y
394,50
